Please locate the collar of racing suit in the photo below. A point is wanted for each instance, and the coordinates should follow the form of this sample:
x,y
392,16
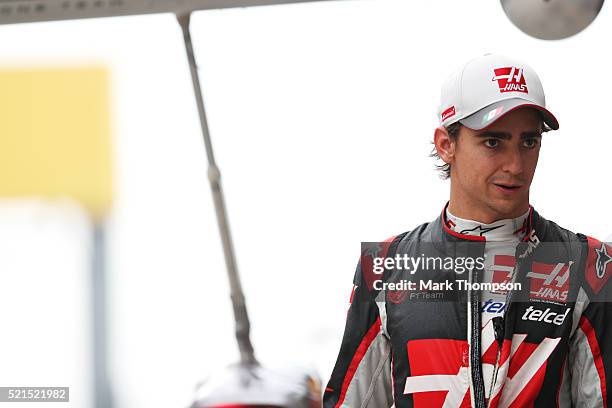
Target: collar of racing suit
x,y
506,230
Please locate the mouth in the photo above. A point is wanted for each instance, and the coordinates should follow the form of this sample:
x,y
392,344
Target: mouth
x,y
509,188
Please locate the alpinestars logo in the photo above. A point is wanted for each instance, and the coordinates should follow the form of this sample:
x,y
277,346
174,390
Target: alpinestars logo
x,y
480,230
510,79
603,258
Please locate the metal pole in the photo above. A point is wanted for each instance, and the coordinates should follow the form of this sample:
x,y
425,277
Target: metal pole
x,y
247,356
102,389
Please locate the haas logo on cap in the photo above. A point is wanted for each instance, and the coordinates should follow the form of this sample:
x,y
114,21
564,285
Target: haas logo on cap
x,y
510,79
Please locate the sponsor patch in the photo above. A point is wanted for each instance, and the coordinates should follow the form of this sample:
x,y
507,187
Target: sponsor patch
x,y
492,114
493,307
546,316
549,282
599,264
450,112
510,79
370,251
502,270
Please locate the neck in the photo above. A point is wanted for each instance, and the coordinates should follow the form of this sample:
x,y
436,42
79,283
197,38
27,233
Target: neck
x,y
462,206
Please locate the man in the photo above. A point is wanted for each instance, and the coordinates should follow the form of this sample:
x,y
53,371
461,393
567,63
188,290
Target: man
x,y
542,336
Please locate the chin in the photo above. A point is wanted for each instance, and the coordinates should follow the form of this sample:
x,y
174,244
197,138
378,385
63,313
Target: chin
x,y
507,209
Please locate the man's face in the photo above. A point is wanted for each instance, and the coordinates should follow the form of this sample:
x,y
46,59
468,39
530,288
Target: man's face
x,y
492,169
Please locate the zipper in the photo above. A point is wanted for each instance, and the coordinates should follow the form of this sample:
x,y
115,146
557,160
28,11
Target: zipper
x,y
475,360
494,378
474,333
498,324
500,333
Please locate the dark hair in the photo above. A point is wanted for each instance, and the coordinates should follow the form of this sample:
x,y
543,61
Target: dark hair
x,y
453,132
445,168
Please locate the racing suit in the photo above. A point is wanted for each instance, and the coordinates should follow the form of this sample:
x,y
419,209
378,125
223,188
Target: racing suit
x,y
547,343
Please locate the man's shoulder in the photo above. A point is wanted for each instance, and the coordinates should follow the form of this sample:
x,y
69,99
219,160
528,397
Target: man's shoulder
x,y
425,232
564,234
597,254
549,231
420,232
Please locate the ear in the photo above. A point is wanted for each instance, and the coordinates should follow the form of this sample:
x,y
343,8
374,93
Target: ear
x,y
445,146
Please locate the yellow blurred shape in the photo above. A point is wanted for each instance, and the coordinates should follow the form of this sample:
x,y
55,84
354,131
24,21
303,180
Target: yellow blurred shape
x,y
54,135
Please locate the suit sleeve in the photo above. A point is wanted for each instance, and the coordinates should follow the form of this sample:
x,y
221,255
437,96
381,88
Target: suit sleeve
x,y
362,373
591,346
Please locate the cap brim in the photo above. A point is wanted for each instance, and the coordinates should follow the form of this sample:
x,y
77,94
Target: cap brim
x,y
492,113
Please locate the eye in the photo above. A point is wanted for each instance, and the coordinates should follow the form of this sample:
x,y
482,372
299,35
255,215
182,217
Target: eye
x,y
531,143
491,143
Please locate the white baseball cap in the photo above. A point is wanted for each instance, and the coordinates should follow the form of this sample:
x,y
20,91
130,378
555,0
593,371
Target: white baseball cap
x,y
487,88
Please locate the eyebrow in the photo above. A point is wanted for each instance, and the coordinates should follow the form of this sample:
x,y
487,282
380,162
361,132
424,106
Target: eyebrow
x,y
508,136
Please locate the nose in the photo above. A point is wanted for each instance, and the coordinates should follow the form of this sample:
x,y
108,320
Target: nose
x,y
513,161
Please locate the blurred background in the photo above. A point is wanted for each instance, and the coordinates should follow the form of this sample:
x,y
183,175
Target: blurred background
x,y
321,116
